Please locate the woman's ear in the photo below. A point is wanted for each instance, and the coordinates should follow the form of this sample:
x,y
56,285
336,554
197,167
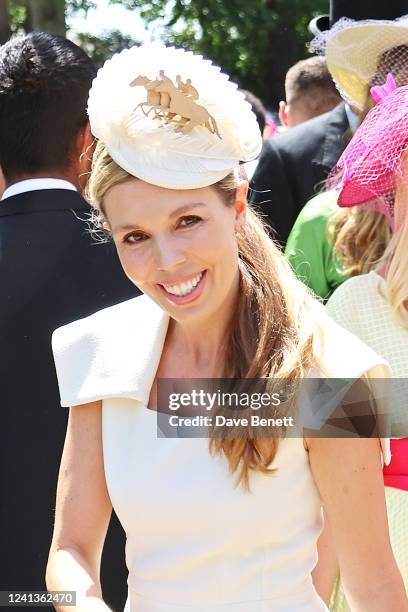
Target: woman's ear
x,y
240,203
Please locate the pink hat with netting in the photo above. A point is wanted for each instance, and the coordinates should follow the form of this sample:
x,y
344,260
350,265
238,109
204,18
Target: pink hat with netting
x,y
368,169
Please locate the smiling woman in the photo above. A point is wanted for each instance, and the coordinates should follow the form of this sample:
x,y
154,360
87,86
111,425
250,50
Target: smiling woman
x,y
178,247
220,300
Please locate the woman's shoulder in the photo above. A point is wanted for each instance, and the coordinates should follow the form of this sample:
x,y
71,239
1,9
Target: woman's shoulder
x,y
355,291
343,354
354,299
109,352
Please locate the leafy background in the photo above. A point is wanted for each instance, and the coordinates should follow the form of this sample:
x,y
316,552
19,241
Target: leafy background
x,y
255,41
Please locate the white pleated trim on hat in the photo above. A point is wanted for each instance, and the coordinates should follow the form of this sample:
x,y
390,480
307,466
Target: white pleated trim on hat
x,y
157,153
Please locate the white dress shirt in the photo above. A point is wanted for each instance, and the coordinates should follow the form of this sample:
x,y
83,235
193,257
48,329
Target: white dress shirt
x,y
353,118
35,184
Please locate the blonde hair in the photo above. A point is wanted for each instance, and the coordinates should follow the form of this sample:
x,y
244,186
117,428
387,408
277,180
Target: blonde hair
x,y
359,236
359,239
274,329
367,234
395,285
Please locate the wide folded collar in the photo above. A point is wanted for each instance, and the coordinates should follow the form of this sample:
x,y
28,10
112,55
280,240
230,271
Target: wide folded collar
x,y
113,353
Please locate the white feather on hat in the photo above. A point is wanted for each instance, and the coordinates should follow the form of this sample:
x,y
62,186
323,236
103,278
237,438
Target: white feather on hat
x,y
153,150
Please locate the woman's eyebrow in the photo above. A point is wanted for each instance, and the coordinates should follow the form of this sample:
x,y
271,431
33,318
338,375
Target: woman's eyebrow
x,y
185,208
124,228
175,213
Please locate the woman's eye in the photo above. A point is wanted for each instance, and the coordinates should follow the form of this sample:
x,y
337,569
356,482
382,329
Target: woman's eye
x,y
134,238
189,221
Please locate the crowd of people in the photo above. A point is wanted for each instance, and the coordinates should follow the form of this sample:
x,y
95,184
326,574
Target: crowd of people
x,y
157,229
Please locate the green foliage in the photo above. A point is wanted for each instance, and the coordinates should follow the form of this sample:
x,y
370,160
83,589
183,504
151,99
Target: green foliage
x,y
75,6
19,11
99,47
255,41
17,16
150,10
104,45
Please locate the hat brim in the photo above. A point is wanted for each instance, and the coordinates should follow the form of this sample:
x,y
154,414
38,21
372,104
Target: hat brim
x,y
361,46
127,159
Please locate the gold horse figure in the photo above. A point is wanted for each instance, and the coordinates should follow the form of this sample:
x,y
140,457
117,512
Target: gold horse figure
x,y
153,97
169,103
187,109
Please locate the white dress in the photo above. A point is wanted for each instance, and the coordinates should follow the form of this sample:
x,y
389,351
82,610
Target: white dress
x,y
359,306
195,543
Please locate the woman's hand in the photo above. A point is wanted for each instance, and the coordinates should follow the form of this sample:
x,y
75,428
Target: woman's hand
x,y
83,510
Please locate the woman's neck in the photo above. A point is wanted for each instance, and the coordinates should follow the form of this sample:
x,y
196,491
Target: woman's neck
x,y
202,342
381,269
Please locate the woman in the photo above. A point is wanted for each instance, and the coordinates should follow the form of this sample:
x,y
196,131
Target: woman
x,y
374,306
228,524
361,57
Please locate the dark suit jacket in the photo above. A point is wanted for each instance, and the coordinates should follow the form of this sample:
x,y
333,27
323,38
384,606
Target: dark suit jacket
x,y
293,165
51,273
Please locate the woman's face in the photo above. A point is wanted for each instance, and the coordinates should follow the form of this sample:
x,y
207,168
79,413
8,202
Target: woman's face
x,y
179,247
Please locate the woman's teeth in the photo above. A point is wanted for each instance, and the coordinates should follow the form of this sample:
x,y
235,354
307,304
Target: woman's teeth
x,y
184,288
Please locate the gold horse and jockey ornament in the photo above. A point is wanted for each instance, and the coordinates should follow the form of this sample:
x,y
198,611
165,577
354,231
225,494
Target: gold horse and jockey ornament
x,y
174,104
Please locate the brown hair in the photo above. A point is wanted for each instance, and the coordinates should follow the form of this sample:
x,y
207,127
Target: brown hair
x,y
310,83
274,330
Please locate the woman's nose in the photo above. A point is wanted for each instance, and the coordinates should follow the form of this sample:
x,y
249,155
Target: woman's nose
x,y
168,254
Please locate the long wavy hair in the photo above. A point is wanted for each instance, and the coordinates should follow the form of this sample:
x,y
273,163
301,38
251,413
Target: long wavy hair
x,y
274,331
359,239
395,260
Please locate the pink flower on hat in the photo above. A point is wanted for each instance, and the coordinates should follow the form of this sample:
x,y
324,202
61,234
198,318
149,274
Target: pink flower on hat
x,y
379,92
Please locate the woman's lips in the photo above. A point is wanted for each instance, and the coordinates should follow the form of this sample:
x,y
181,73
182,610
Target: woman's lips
x,y
190,297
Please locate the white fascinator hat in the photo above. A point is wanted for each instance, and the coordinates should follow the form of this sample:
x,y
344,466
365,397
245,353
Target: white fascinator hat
x,y
171,118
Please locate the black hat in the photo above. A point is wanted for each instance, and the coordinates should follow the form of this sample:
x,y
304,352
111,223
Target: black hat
x,y
358,9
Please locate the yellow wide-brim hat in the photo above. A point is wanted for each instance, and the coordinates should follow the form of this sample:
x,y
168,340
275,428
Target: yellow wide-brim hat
x,y
354,50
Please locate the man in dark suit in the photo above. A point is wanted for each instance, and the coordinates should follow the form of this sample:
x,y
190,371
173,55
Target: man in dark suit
x,y
294,164
51,272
